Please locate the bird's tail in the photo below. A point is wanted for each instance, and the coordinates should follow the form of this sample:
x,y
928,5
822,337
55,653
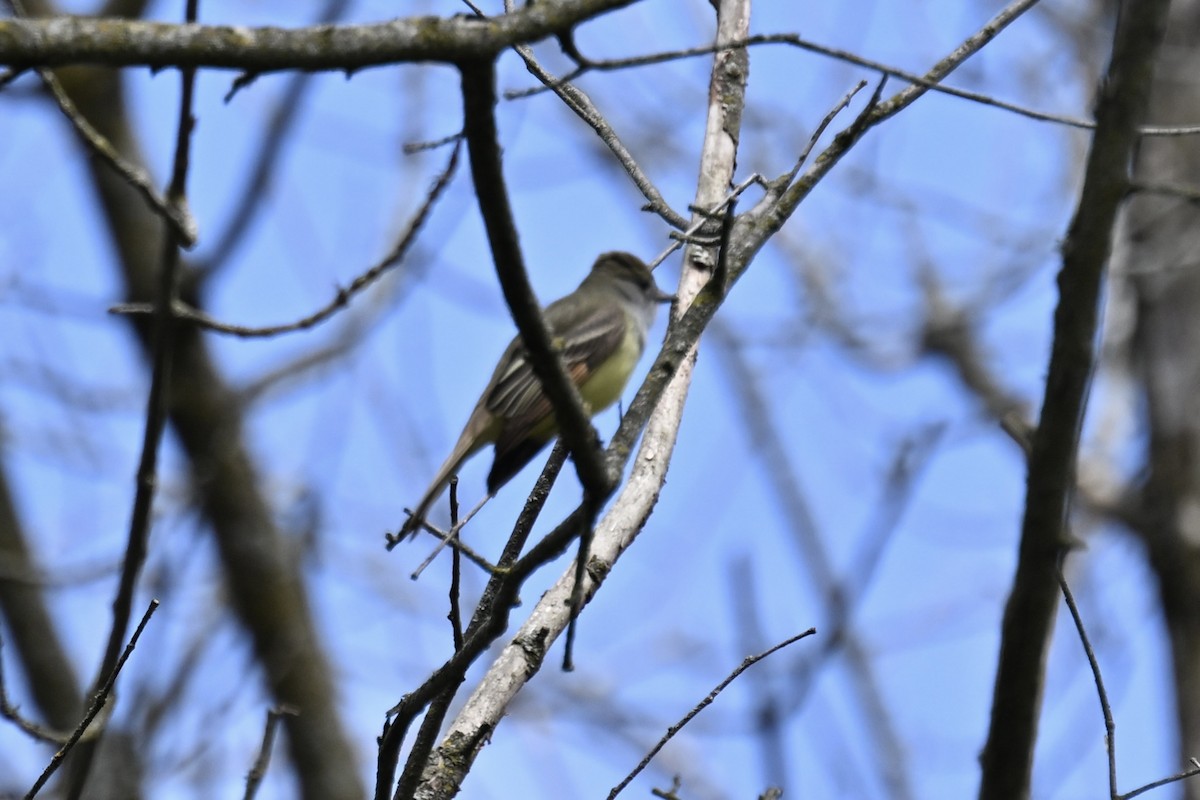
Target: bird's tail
x,y
461,452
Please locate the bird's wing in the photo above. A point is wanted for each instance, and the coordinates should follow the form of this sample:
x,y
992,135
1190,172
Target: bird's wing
x,y
517,395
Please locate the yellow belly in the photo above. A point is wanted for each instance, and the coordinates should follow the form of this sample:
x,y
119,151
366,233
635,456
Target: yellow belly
x,y
604,386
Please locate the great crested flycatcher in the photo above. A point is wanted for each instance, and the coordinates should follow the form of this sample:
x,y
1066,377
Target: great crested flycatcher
x,y
600,331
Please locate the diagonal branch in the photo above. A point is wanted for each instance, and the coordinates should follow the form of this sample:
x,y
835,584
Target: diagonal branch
x,y
578,101
1029,615
575,427
99,699
747,662
182,223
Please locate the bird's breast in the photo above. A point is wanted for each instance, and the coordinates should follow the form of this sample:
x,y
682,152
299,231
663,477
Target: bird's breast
x,y
604,386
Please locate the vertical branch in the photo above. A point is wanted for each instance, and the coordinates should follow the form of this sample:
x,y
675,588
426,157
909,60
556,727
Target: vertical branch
x,y
259,770
1029,615
455,613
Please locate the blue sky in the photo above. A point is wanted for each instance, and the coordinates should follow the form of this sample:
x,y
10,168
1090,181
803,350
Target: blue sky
x,y
976,195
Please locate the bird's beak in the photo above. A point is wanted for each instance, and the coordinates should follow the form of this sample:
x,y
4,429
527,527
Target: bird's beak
x,y
663,297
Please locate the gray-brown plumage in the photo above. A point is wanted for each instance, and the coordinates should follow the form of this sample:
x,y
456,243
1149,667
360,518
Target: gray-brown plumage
x,y
600,330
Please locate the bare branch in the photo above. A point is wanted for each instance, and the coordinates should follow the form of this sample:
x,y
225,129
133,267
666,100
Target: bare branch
x,y
574,425
1029,615
96,706
703,704
1187,773
1110,739
263,760
13,714
177,216
116,42
183,311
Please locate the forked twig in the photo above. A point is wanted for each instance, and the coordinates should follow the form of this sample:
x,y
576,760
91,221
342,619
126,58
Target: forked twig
x,y
341,299
449,538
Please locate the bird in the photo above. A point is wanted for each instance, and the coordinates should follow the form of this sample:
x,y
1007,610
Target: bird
x,y
600,331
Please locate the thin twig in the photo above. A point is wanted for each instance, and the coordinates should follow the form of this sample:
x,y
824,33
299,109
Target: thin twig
x,y
586,533
263,760
748,662
97,704
578,101
185,312
1110,727
412,148
13,714
178,217
793,40
769,710
448,538
820,129
1188,773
